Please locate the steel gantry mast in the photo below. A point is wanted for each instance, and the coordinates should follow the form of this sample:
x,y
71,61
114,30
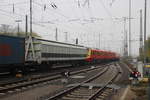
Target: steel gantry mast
x,y
30,39
141,34
145,14
125,38
129,27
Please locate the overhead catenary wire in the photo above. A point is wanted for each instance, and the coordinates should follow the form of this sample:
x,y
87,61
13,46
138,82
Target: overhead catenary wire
x,y
42,6
12,17
11,12
82,25
17,3
107,11
50,9
15,14
67,26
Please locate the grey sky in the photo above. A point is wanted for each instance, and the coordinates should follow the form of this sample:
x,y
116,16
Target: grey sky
x,y
85,23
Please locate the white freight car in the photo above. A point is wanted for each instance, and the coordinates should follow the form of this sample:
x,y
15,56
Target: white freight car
x,y
46,51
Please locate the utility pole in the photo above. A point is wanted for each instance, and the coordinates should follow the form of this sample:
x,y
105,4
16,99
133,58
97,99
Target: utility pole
x,y
18,28
56,36
66,36
88,3
31,17
141,33
26,26
77,41
99,41
145,14
78,3
125,38
124,49
30,41
129,27
18,21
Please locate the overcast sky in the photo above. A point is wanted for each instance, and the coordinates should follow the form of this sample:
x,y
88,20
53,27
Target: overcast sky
x,y
80,20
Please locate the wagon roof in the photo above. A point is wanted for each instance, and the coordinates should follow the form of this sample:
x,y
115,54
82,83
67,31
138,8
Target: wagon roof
x,y
59,42
2,35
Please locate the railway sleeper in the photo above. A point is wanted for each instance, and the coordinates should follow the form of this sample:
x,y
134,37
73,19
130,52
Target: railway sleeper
x,y
100,97
81,94
107,92
103,96
2,88
84,91
77,96
1,94
70,98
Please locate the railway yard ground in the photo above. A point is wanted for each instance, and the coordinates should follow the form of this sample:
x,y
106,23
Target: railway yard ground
x,y
99,82
131,92
74,50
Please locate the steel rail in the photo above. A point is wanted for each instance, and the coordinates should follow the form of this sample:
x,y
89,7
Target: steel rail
x,y
29,83
94,96
44,76
75,87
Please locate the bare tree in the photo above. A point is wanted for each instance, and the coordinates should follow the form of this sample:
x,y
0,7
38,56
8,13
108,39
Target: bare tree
x,y
4,28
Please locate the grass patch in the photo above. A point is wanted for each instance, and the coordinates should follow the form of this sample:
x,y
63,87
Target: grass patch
x,y
140,91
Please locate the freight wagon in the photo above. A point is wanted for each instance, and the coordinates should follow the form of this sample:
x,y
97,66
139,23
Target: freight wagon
x,y
11,51
52,52
19,54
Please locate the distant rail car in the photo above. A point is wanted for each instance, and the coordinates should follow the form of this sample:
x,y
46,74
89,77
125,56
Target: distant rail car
x,y
19,53
100,56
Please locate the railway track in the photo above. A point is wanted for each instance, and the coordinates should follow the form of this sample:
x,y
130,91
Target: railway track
x,y
81,92
35,76
23,85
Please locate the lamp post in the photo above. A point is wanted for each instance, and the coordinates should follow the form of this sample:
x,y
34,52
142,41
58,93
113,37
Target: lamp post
x,y
145,14
66,36
18,21
129,27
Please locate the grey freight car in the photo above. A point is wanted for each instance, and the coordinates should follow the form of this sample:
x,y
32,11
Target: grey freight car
x,y
45,51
